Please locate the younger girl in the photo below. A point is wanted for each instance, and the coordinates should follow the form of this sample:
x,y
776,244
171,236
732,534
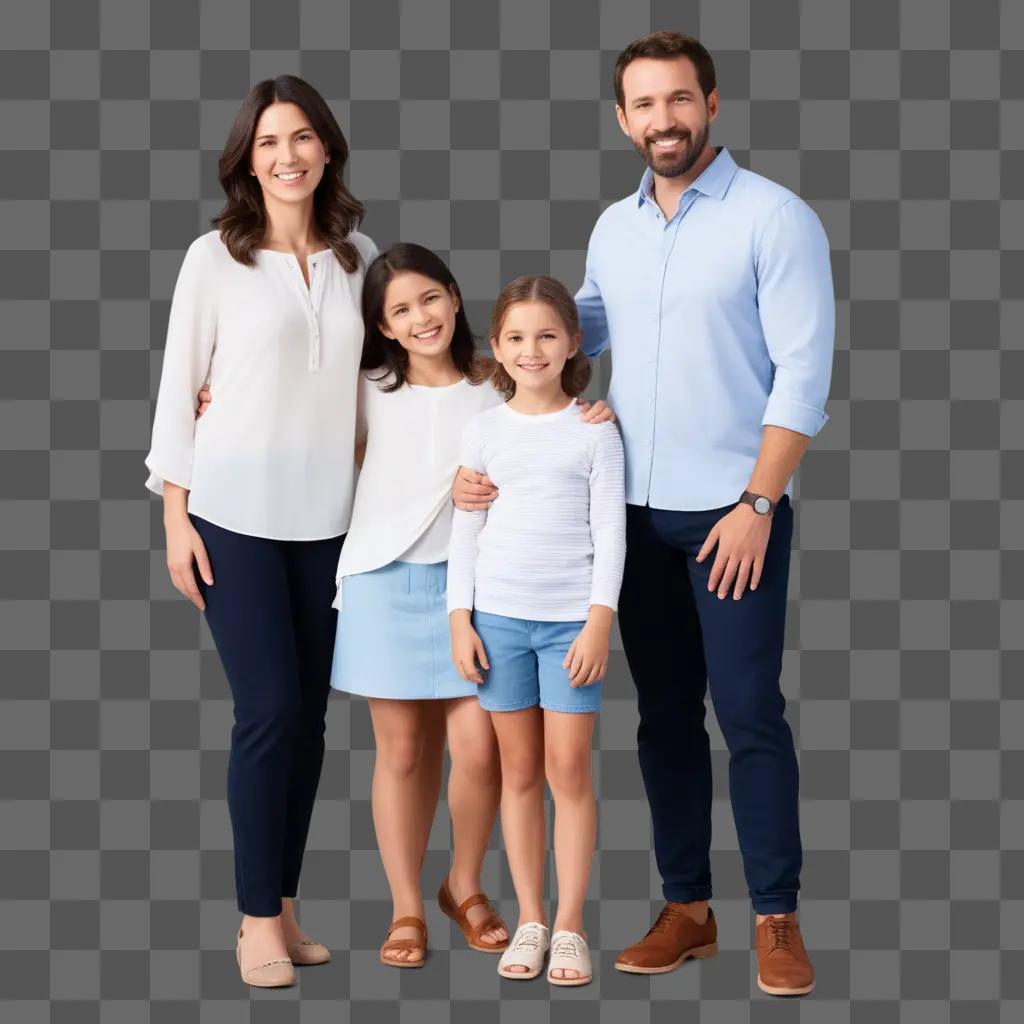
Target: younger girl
x,y
532,589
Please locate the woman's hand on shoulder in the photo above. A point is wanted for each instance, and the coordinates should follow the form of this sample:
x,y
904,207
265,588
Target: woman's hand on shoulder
x,y
596,412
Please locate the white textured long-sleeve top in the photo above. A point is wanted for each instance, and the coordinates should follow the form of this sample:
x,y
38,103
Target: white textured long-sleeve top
x,y
403,504
273,454
554,541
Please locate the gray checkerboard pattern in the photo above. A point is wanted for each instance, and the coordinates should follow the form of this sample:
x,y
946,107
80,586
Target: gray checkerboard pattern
x,y
486,130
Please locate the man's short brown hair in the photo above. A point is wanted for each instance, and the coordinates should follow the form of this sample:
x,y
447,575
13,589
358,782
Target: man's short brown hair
x,y
666,46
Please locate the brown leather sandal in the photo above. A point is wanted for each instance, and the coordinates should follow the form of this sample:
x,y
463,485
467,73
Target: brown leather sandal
x,y
395,945
474,933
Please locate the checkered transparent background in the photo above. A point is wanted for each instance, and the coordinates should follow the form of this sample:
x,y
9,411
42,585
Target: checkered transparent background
x,y
485,130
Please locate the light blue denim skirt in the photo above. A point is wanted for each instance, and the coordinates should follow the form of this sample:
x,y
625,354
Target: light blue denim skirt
x,y
393,639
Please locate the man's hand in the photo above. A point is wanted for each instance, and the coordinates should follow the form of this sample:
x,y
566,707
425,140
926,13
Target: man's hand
x,y
467,647
742,537
473,492
598,412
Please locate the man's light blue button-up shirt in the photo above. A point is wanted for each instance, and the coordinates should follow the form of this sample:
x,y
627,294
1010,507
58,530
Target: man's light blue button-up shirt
x,y
721,320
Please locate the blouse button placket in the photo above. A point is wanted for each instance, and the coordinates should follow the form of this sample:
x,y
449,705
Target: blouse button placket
x,y
315,358
314,322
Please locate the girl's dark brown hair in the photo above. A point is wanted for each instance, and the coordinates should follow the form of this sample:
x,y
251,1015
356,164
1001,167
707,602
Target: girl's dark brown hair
x,y
383,353
665,46
538,288
243,221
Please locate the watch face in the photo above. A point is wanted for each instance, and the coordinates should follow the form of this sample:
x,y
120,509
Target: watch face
x,y
762,505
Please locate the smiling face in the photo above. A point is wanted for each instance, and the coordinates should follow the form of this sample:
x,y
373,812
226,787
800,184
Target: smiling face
x,y
287,156
534,345
419,313
665,113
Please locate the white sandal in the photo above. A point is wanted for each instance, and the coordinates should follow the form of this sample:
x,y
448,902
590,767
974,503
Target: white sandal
x,y
527,949
570,952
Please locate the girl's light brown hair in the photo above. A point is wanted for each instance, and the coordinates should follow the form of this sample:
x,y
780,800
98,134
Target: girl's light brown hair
x,y
538,288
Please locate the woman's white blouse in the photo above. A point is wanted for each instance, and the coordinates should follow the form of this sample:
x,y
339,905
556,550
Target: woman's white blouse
x,y
273,454
403,505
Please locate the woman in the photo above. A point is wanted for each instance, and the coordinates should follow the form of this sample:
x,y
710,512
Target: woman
x,y
258,494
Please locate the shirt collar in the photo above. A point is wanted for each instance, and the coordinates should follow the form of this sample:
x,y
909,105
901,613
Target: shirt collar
x,y
713,181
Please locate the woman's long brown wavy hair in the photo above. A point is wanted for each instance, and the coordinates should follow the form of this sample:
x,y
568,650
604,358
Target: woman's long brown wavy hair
x,y
243,221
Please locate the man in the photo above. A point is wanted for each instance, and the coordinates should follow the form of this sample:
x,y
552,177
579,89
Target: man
x,y
712,286
713,289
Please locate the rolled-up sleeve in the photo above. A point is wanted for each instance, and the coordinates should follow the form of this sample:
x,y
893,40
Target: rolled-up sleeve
x,y
796,306
191,335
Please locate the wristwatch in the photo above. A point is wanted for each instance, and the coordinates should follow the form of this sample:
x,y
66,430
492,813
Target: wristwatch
x,y
758,502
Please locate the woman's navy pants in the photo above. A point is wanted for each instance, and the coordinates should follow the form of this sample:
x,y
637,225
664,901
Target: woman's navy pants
x,y
680,639
270,614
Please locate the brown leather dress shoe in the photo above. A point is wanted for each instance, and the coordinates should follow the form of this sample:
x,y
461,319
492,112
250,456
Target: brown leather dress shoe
x,y
783,966
673,938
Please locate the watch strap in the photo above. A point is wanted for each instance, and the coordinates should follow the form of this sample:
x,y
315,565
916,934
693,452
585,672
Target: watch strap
x,y
750,498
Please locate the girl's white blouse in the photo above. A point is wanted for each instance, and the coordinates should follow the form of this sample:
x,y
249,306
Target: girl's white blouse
x,y
403,505
273,455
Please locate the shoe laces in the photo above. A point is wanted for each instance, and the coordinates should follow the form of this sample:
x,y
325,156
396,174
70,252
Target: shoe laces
x,y
528,936
781,929
668,916
567,944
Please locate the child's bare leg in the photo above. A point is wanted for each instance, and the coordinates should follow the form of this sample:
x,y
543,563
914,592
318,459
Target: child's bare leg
x,y
409,736
474,792
521,744
567,761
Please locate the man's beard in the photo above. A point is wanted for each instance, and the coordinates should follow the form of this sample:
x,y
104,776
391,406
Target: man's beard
x,y
692,147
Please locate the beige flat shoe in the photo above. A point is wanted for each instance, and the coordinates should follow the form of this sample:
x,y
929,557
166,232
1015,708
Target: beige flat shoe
x,y
272,974
307,952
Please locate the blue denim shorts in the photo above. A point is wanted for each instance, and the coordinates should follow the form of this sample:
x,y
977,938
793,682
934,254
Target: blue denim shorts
x,y
526,666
